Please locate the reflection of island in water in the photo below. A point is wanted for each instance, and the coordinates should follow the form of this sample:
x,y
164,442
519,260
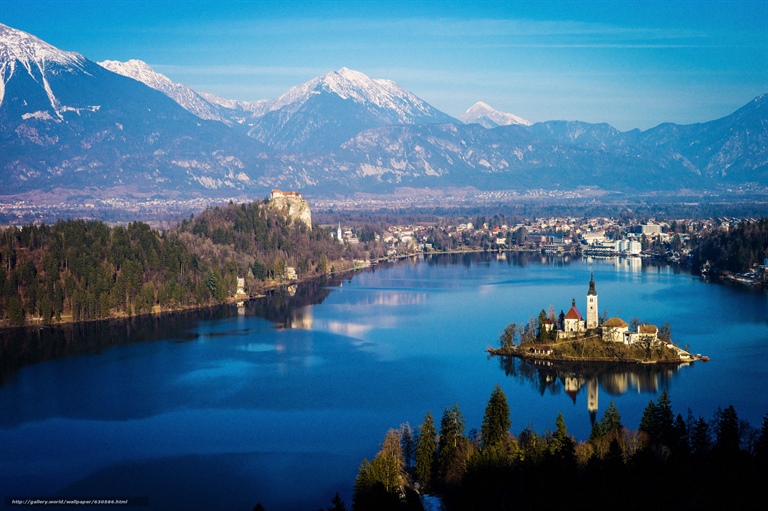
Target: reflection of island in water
x,y
573,377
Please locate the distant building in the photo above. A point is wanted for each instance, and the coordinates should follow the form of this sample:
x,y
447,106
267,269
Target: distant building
x,y
593,237
649,229
279,193
629,247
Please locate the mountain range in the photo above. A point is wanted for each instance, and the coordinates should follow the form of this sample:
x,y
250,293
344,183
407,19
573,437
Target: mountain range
x,y
120,128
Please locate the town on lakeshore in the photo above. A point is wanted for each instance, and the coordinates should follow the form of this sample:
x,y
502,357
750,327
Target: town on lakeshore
x,y
571,337
75,270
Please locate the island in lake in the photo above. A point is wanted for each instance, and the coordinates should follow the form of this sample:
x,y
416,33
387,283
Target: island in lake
x,y
570,337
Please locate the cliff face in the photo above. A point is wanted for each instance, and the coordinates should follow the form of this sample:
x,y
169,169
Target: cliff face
x,y
292,205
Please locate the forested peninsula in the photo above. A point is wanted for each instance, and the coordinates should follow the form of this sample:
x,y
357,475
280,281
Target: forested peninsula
x,y
80,270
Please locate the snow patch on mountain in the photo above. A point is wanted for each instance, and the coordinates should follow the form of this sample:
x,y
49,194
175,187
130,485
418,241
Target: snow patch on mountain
x,y
488,117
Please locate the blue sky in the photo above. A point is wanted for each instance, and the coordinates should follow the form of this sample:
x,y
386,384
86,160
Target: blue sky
x,y
632,64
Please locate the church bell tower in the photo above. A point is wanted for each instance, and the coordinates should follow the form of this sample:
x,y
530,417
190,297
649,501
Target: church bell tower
x,y
591,304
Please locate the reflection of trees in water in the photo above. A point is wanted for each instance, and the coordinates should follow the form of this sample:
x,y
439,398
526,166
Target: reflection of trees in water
x,y
23,346
615,379
280,305
29,345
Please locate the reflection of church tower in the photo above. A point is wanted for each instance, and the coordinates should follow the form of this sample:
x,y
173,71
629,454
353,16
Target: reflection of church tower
x,y
592,398
592,304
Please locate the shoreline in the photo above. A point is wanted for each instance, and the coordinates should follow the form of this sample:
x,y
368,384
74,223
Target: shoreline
x,y
518,353
231,300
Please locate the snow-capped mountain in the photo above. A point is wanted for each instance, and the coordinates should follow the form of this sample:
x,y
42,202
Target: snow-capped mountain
x,y
326,111
181,94
488,117
67,122
24,57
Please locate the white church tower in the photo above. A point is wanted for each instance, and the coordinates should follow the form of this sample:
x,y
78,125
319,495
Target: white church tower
x,y
591,304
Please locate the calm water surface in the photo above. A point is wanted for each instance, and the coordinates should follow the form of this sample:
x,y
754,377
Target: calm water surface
x,y
280,404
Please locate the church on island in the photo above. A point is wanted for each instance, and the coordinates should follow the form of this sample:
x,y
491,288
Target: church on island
x,y
572,325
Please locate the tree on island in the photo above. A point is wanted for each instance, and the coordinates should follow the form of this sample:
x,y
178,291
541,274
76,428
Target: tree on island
x,y
508,337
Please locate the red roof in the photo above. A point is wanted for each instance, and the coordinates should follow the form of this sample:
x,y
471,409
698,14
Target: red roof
x,y
574,314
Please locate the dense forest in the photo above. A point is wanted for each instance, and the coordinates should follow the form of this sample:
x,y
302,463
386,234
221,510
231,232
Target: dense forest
x,y
82,270
737,249
669,462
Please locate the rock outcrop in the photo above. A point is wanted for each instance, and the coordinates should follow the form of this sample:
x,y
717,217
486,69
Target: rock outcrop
x,y
292,205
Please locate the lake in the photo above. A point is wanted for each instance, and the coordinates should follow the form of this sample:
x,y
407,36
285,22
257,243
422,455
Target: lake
x,y
280,402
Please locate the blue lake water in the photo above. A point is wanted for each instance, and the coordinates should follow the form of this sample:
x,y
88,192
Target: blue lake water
x,y
280,404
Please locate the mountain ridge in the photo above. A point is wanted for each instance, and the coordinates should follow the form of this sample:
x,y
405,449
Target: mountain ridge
x,y
69,123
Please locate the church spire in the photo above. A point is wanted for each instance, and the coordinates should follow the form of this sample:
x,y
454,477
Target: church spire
x,y
592,319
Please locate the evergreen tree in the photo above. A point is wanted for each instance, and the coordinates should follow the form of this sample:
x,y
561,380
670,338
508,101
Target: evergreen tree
x,y
336,504
426,446
611,421
762,444
407,445
562,445
614,459
665,419
452,447
648,422
727,434
701,439
596,433
496,422
680,442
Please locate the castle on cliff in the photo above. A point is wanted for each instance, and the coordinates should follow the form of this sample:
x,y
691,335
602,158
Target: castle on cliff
x,y
292,205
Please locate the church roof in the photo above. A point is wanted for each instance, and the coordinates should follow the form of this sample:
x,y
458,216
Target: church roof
x,y
592,286
574,314
615,323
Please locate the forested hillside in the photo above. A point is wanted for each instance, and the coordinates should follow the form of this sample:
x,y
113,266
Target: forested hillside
x,y
82,270
737,249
